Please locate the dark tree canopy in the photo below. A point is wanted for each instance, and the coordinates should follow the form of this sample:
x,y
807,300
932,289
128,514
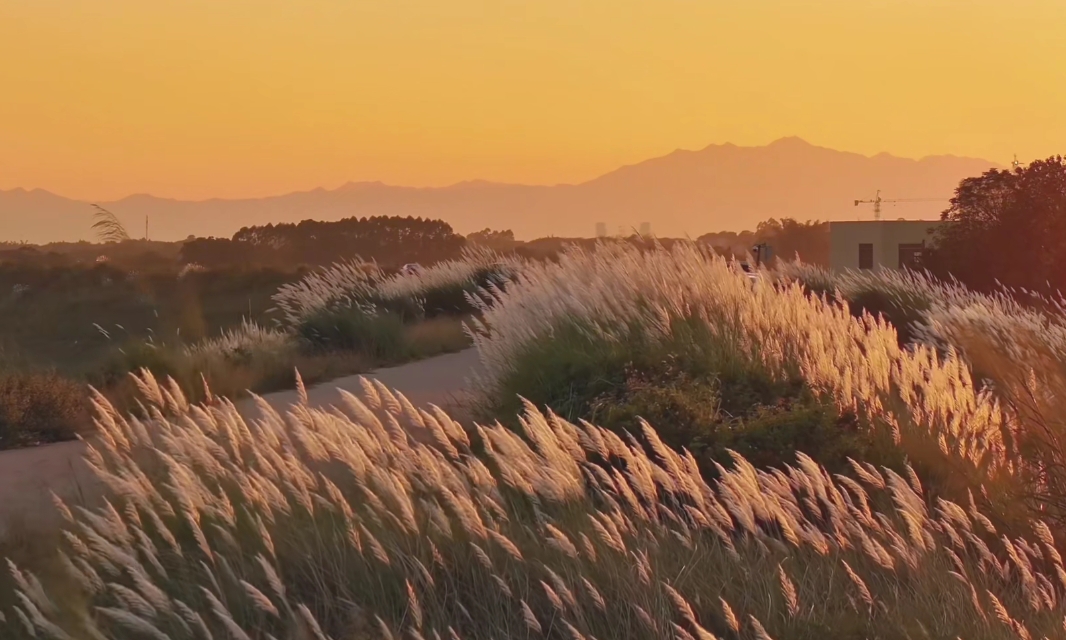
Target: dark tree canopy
x,y
496,240
391,240
787,237
1006,227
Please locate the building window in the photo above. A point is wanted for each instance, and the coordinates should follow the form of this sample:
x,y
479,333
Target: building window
x,y
910,255
866,256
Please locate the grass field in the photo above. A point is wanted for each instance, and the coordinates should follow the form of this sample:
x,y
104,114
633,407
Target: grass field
x,y
885,490
71,319
65,328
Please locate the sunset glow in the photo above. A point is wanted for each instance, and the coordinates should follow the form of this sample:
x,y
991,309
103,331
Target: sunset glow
x,y
212,98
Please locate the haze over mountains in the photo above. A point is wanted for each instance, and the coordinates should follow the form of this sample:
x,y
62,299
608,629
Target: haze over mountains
x,y
718,188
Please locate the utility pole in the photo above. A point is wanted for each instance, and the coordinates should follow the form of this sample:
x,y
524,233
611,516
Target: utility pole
x,y
146,228
1016,165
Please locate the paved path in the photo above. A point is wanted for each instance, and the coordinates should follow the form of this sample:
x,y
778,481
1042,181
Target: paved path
x,y
440,380
28,475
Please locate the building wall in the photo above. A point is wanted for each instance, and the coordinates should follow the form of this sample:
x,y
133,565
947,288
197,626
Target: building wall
x,y
886,236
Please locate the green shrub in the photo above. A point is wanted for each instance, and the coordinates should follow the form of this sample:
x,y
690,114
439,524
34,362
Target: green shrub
x,y
680,407
444,300
377,335
902,312
566,372
38,408
408,310
448,300
765,421
694,399
770,436
433,337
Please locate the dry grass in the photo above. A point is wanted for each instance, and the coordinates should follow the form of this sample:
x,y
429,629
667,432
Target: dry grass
x,y
361,285
380,520
1001,441
40,408
344,525
436,336
1012,342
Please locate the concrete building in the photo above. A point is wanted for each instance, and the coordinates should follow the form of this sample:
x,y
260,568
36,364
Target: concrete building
x,y
601,229
645,229
868,244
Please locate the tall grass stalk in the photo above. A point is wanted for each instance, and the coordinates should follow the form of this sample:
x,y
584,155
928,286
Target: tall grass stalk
x,y
964,436
380,520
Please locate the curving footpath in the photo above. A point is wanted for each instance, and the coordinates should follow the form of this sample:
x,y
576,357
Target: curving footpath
x,y
28,476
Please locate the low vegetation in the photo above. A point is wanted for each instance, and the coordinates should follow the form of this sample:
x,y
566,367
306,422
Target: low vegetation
x,y
387,521
666,449
961,402
40,408
349,288
327,323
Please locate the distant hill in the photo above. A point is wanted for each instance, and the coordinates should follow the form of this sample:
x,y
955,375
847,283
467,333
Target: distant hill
x,y
720,187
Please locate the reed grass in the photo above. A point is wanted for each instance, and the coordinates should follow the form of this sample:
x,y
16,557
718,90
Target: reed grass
x,y
380,520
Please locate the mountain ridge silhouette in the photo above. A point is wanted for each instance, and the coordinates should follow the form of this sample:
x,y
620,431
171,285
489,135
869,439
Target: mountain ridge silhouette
x,y
685,192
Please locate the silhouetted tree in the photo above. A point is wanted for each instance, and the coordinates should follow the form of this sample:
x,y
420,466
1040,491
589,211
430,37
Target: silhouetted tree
x,y
787,237
1007,227
496,240
219,252
388,240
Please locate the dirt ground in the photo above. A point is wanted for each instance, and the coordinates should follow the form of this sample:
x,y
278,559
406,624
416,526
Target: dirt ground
x,y
29,476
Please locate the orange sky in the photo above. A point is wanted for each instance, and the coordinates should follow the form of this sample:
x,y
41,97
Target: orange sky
x,y
228,98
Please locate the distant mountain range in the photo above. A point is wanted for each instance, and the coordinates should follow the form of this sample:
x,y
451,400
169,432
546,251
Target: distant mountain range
x,y
718,188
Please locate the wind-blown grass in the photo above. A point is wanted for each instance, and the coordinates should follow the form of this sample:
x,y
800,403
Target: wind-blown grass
x,y
377,519
247,340
441,288
959,435
108,227
1013,342
381,520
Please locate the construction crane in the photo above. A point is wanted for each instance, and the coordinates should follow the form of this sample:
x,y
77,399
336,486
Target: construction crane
x,y
877,201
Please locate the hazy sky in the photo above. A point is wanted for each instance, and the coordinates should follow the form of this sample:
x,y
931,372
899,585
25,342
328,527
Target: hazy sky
x,y
202,98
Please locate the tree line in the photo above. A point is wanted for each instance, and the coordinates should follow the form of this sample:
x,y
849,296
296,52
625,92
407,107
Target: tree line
x,y
388,240
789,239
1007,229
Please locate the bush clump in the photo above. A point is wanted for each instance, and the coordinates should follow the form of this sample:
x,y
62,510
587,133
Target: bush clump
x,y
697,404
923,398
39,408
442,289
375,334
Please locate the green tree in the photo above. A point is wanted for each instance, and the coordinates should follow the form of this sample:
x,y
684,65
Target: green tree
x,y
1005,227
